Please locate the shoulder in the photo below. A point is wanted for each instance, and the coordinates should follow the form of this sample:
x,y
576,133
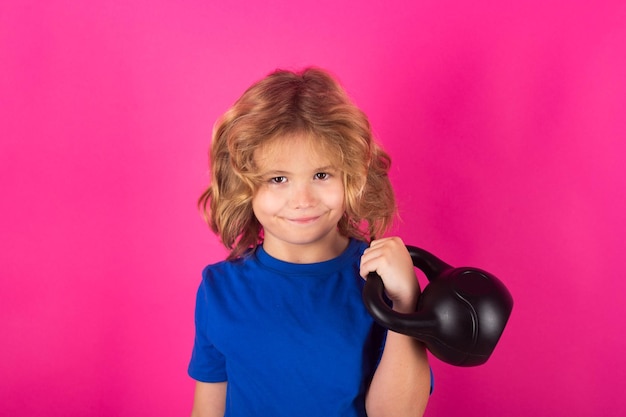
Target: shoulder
x,y
223,279
221,266
227,269
359,245
355,250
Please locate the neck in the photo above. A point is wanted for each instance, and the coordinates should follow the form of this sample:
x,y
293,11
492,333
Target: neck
x,y
306,253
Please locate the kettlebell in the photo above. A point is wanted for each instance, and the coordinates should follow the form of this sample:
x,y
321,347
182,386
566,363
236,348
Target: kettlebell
x,y
460,314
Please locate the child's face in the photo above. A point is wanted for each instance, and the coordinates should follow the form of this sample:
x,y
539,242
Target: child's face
x,y
300,201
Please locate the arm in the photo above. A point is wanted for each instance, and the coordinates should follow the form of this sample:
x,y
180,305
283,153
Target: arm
x,y
209,399
401,383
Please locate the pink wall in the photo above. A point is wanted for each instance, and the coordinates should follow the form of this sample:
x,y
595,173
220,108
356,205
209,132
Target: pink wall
x,y
505,121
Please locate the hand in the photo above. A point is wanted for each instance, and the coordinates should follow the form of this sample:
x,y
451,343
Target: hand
x,y
390,259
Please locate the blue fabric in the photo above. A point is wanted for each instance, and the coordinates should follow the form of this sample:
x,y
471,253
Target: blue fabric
x,y
290,339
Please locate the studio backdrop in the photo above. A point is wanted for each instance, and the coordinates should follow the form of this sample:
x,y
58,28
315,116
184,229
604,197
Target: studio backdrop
x,y
504,120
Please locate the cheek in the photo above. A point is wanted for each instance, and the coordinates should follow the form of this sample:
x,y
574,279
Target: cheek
x,y
264,202
336,198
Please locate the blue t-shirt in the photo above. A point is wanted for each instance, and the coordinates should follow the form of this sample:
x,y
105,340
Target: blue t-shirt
x,y
290,339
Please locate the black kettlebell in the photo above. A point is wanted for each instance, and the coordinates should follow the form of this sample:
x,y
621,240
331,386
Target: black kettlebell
x,y
460,314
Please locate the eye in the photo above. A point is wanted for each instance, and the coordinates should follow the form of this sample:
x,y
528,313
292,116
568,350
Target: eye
x,y
278,180
322,176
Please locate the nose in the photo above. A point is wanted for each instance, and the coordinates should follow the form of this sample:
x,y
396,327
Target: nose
x,y
303,196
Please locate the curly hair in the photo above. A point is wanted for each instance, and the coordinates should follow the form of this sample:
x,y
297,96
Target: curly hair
x,y
310,103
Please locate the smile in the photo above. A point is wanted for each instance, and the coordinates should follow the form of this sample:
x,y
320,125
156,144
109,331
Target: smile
x,y
303,220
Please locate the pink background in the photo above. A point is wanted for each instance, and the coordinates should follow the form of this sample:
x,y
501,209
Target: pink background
x,y
505,121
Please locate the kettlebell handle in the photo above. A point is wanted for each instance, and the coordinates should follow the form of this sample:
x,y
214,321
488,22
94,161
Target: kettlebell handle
x,y
428,263
460,314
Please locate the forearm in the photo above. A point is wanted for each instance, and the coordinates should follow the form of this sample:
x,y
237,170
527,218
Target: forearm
x,y
401,384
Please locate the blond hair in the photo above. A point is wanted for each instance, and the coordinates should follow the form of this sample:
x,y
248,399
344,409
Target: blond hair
x,y
310,103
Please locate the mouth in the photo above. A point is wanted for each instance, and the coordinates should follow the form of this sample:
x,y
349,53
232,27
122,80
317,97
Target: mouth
x,y
303,220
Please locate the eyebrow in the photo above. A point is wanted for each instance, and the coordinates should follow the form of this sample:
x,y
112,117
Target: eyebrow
x,y
274,173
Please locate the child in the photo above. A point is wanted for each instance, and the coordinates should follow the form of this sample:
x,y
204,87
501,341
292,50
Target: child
x,y
298,188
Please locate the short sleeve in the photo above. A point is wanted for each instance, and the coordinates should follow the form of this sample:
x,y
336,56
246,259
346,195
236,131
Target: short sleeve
x,y
207,364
